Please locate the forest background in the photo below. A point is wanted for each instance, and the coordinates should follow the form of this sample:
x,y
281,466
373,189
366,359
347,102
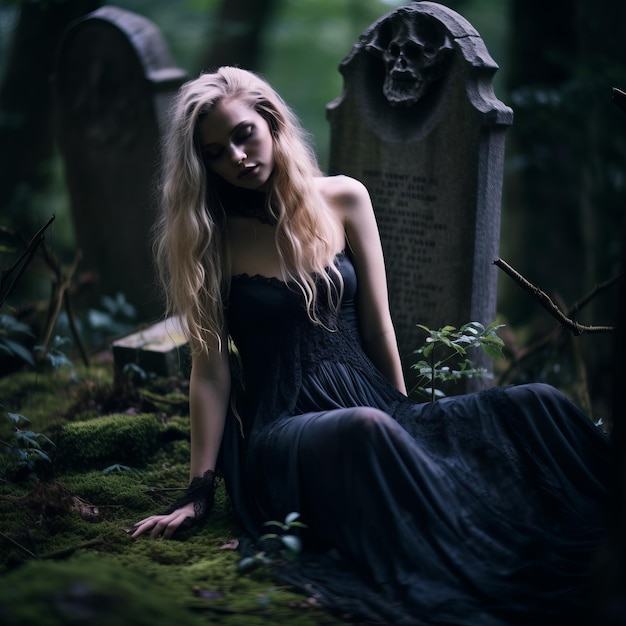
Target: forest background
x,y
564,185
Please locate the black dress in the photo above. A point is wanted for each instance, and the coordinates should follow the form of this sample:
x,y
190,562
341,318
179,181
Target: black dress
x,y
484,509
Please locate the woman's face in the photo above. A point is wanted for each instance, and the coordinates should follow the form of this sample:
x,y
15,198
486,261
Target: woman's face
x,y
237,144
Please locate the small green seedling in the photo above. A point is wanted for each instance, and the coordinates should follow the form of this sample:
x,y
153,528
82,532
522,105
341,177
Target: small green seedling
x,y
26,448
277,547
444,355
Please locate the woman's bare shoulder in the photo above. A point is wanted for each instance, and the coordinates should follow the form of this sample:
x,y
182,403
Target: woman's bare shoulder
x,y
343,192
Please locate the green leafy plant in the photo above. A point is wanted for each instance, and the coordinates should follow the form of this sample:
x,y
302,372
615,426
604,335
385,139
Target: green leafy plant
x,y
9,345
277,546
444,355
135,374
115,317
26,449
54,354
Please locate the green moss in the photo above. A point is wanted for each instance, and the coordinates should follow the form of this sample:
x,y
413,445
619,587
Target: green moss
x,y
56,532
88,590
22,385
172,402
177,427
176,453
206,577
109,440
44,398
114,490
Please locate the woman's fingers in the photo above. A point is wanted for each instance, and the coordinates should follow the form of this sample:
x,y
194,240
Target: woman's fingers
x,y
163,526
145,525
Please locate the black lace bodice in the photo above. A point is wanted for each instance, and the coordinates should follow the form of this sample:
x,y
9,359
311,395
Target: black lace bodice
x,y
283,352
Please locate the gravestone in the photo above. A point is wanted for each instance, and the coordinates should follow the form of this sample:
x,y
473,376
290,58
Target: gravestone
x,y
113,84
160,349
418,123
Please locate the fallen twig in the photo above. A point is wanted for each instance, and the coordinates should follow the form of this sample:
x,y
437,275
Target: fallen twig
x,y
18,545
64,552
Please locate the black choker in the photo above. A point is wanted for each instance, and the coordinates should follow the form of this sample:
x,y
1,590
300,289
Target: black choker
x,y
252,211
248,203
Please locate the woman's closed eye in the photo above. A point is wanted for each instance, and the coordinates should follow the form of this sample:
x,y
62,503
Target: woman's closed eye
x,y
242,134
212,152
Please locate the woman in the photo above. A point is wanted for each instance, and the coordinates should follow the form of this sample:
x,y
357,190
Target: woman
x,y
480,509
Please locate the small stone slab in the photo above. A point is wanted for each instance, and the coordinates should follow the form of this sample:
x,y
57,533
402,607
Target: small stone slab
x,y
161,349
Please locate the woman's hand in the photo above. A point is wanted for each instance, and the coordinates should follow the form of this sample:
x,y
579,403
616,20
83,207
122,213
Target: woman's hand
x,y
193,508
164,526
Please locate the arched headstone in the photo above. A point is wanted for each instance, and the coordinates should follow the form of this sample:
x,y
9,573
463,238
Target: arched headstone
x,y
113,83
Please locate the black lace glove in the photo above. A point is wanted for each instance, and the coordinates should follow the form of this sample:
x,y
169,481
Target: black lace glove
x,y
201,492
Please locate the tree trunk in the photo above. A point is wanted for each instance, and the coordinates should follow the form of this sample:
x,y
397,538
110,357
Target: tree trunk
x,y
564,189
236,34
26,134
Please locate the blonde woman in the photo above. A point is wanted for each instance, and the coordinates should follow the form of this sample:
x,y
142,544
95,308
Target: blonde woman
x,y
483,509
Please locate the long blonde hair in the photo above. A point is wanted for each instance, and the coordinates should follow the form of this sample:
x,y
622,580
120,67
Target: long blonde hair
x,y
188,244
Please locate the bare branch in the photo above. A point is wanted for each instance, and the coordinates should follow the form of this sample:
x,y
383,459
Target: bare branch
x,y
23,261
578,306
60,297
61,289
551,307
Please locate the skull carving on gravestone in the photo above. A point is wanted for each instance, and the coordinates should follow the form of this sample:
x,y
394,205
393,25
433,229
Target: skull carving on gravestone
x,y
414,54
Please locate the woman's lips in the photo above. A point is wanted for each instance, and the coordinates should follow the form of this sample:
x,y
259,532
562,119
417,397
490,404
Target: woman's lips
x,y
246,171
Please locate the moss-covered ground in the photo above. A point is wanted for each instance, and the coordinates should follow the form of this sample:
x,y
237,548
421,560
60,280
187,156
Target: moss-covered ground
x,y
120,453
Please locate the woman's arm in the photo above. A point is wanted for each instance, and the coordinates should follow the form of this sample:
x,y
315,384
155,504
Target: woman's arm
x,y
209,392
352,200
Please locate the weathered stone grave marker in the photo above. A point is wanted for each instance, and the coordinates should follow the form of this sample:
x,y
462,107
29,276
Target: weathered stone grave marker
x,y
159,349
418,123
113,83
